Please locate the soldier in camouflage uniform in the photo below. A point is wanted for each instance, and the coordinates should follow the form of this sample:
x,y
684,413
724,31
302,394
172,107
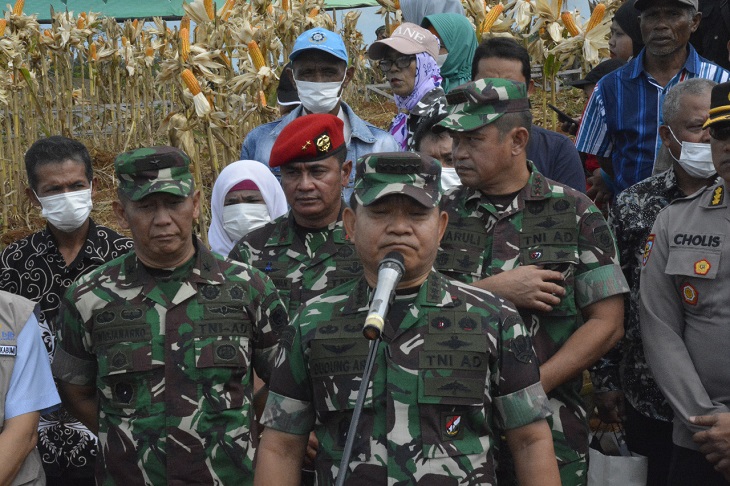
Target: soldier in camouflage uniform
x,y
157,348
454,368
306,252
536,242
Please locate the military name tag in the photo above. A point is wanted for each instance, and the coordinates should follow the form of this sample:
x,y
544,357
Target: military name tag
x,y
8,350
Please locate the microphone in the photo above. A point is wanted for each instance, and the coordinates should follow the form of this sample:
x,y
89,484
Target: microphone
x,y
390,272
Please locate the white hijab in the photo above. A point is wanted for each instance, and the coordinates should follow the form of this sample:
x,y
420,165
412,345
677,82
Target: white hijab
x,y
234,173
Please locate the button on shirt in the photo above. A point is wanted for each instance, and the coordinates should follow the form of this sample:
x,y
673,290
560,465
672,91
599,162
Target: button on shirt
x,y
623,116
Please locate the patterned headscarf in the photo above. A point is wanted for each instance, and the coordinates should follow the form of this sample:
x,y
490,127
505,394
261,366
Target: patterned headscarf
x,y
428,77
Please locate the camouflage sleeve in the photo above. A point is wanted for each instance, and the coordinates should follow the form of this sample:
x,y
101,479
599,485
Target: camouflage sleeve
x,y
520,399
289,406
598,275
240,253
73,362
271,320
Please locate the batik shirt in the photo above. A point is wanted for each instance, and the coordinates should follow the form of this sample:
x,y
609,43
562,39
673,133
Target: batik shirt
x,y
554,226
624,368
454,368
34,268
172,362
303,263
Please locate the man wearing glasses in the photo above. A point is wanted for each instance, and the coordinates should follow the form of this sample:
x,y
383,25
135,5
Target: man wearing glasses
x,y
684,315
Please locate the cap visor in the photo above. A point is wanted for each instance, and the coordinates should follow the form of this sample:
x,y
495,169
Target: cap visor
x,y
378,49
718,119
375,194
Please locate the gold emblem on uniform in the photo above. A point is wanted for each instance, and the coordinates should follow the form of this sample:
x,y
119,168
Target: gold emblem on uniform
x,y
702,267
689,293
717,196
306,145
323,143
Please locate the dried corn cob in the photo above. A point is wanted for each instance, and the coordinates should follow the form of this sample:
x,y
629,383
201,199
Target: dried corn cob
x,y
184,44
3,24
262,98
209,9
227,9
18,8
189,79
285,5
569,23
596,16
491,17
92,52
313,13
256,56
80,23
185,23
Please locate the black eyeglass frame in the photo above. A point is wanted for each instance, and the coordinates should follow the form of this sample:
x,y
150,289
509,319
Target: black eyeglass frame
x,y
402,62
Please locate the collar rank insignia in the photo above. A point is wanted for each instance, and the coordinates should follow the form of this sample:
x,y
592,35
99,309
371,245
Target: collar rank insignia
x,y
717,196
702,267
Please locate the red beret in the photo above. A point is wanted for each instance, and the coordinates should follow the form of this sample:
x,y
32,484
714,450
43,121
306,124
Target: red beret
x,y
307,139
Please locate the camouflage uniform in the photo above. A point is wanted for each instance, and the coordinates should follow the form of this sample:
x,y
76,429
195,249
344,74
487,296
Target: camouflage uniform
x,y
454,367
545,224
171,356
457,368
303,263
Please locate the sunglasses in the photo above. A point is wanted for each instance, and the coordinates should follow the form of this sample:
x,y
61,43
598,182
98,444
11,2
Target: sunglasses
x,y
402,62
721,133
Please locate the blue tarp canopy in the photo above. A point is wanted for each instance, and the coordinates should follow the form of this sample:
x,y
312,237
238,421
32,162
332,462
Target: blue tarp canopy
x,y
145,9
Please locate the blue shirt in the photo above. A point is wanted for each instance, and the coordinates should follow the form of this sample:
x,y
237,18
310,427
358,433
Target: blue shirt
x,y
365,139
31,384
556,158
623,116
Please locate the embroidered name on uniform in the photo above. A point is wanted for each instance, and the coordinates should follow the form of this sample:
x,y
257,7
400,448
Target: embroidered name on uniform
x,y
8,350
710,241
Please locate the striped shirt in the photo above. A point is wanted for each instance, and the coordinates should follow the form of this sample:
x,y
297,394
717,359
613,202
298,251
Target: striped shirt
x,y
624,113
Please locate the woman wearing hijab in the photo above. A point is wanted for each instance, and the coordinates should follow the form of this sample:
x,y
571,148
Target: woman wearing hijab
x,y
625,41
245,196
458,43
408,60
414,11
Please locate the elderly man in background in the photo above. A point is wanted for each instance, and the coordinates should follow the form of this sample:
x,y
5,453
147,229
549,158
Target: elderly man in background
x,y
624,385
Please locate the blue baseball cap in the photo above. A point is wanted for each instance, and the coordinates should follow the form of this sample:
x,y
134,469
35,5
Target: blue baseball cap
x,y
321,39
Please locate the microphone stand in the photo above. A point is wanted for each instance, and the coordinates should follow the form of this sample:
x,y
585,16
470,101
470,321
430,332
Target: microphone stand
x,y
352,430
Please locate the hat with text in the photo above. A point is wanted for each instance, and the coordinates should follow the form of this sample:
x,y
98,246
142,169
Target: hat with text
x,y
322,40
478,103
308,138
408,173
644,4
719,105
144,171
407,38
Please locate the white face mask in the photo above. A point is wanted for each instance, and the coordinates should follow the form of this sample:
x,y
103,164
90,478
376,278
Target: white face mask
x,y
241,219
319,97
441,59
67,211
695,158
449,178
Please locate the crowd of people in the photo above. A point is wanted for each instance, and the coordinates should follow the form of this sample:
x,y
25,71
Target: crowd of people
x,y
245,362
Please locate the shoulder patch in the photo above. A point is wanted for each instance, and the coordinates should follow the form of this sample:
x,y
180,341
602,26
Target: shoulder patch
x,y
647,249
689,294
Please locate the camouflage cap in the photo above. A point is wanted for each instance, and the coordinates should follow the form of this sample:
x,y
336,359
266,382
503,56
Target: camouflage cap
x,y
478,103
411,174
144,171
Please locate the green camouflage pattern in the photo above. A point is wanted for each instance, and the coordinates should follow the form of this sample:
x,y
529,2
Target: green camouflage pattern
x,y
481,102
302,263
454,369
412,174
174,375
153,169
559,228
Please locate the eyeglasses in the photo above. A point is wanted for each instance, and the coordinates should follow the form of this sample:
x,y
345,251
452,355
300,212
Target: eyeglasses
x,y
720,133
402,62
